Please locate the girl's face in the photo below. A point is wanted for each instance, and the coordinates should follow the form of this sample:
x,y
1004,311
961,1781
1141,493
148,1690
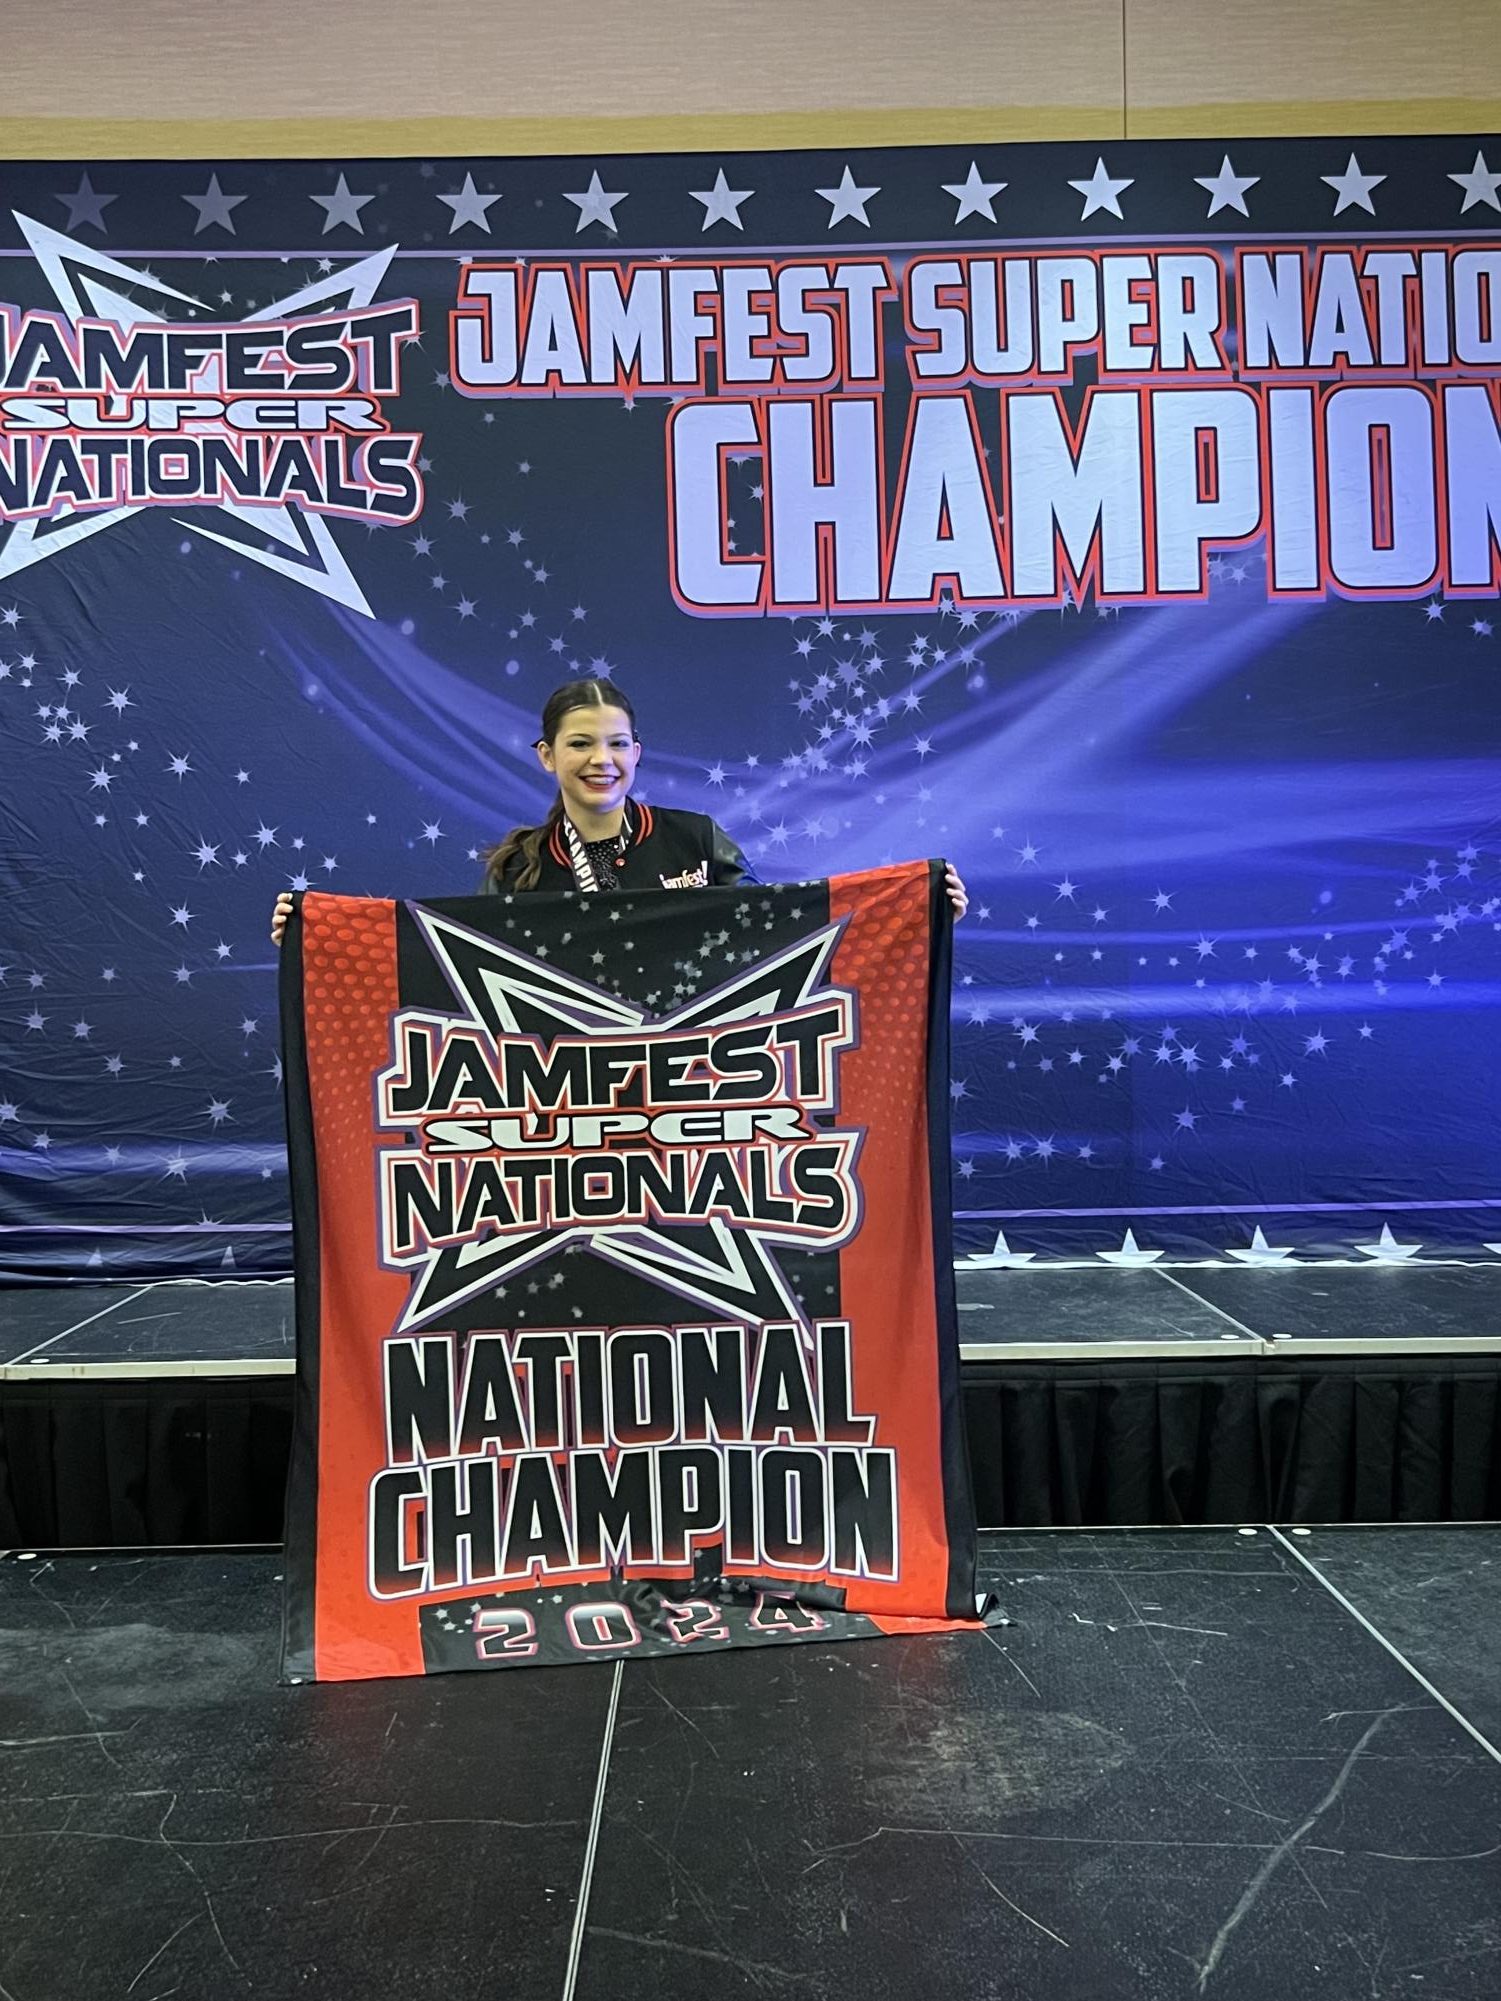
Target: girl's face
x,y
593,757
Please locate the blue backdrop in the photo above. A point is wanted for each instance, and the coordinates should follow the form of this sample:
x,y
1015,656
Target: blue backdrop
x,y
1234,856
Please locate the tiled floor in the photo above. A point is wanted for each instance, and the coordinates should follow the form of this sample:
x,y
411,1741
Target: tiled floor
x,y
1186,1768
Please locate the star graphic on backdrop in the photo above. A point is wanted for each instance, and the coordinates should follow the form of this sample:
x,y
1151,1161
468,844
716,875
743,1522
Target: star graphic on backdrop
x,y
1480,185
504,992
342,207
469,205
847,202
722,202
91,285
1227,189
595,205
1101,192
1353,187
1387,1249
214,207
974,195
1001,1258
1130,1252
1260,1252
85,206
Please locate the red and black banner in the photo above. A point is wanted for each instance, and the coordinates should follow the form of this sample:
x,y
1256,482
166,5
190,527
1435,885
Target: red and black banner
x,y
624,1287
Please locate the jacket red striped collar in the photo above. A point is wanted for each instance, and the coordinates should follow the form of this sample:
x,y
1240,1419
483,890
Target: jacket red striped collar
x,y
639,819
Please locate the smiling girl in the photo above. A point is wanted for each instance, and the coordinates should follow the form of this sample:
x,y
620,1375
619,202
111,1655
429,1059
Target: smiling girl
x,y
595,836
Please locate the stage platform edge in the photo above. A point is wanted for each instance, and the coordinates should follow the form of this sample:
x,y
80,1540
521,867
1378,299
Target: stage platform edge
x,y
160,1414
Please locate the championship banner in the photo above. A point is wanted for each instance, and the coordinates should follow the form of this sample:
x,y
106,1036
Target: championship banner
x,y
1121,519
625,1309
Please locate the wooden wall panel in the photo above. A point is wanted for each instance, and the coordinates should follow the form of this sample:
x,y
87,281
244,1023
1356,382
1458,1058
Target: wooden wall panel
x,y
503,59
1288,65
174,77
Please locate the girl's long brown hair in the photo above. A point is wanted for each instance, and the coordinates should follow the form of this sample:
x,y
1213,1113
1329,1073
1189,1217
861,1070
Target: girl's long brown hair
x,y
528,842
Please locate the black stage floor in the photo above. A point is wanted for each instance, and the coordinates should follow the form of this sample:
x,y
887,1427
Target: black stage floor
x,y
1025,1313
1260,1765
1105,1394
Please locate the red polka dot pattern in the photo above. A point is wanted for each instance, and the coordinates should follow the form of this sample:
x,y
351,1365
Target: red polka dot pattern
x,y
884,955
348,995
886,1276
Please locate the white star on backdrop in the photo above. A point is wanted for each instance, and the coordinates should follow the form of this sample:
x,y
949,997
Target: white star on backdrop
x,y
722,202
847,202
1387,1250
469,205
1353,187
1227,189
1260,1251
342,207
214,207
1130,1253
1101,192
595,205
1002,1258
1480,185
974,195
85,206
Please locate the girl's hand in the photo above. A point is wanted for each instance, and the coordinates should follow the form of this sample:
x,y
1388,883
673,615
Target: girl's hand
x,y
281,911
958,894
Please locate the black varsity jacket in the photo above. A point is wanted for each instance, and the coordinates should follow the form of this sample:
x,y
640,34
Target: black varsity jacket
x,y
666,849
